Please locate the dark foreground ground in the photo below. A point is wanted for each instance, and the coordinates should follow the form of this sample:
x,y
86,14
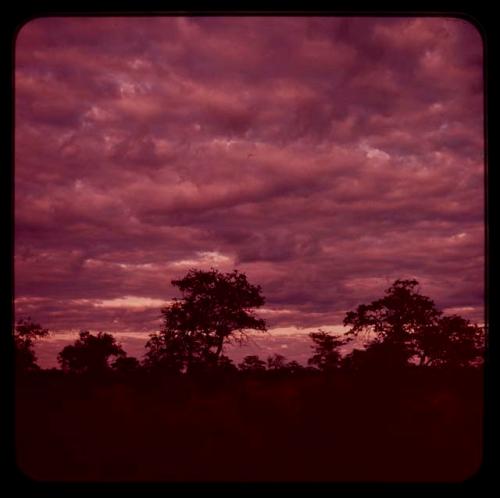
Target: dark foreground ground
x,y
416,426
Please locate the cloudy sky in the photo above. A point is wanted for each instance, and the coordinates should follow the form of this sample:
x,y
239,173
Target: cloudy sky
x,y
323,157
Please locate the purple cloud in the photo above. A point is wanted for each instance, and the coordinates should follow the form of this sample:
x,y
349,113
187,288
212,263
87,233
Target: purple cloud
x,y
324,157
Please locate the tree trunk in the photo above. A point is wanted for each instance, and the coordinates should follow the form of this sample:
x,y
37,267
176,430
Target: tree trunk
x,y
219,347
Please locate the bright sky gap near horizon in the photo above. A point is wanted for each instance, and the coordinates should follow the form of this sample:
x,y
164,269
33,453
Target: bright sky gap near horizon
x,y
324,157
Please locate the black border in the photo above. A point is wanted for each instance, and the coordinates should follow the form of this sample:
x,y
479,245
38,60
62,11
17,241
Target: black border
x,y
13,481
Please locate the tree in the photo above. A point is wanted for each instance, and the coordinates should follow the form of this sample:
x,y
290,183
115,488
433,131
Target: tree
x,y
215,308
226,365
90,353
276,362
326,355
294,367
453,341
407,325
26,333
252,363
166,351
126,365
378,356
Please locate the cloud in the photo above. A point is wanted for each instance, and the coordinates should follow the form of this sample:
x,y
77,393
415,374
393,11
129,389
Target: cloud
x,y
131,302
324,157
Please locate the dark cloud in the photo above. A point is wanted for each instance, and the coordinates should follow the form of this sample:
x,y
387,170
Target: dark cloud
x,y
325,157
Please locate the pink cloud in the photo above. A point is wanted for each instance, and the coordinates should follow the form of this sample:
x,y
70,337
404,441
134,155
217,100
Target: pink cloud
x,y
325,157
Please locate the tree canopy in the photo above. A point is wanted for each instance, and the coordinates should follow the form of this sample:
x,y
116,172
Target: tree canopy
x,y
214,309
407,325
26,333
453,341
90,353
252,363
326,350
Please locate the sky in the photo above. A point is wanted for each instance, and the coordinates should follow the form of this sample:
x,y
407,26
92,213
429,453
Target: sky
x,y
323,157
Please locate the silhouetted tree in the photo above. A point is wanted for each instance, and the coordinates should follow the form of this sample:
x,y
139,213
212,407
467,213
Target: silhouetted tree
x,y
276,362
453,341
214,308
354,360
90,353
252,363
167,351
126,365
407,325
326,351
225,364
293,367
26,333
378,356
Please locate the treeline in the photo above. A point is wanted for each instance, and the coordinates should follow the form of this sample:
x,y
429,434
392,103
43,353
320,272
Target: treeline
x,y
407,407
404,329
